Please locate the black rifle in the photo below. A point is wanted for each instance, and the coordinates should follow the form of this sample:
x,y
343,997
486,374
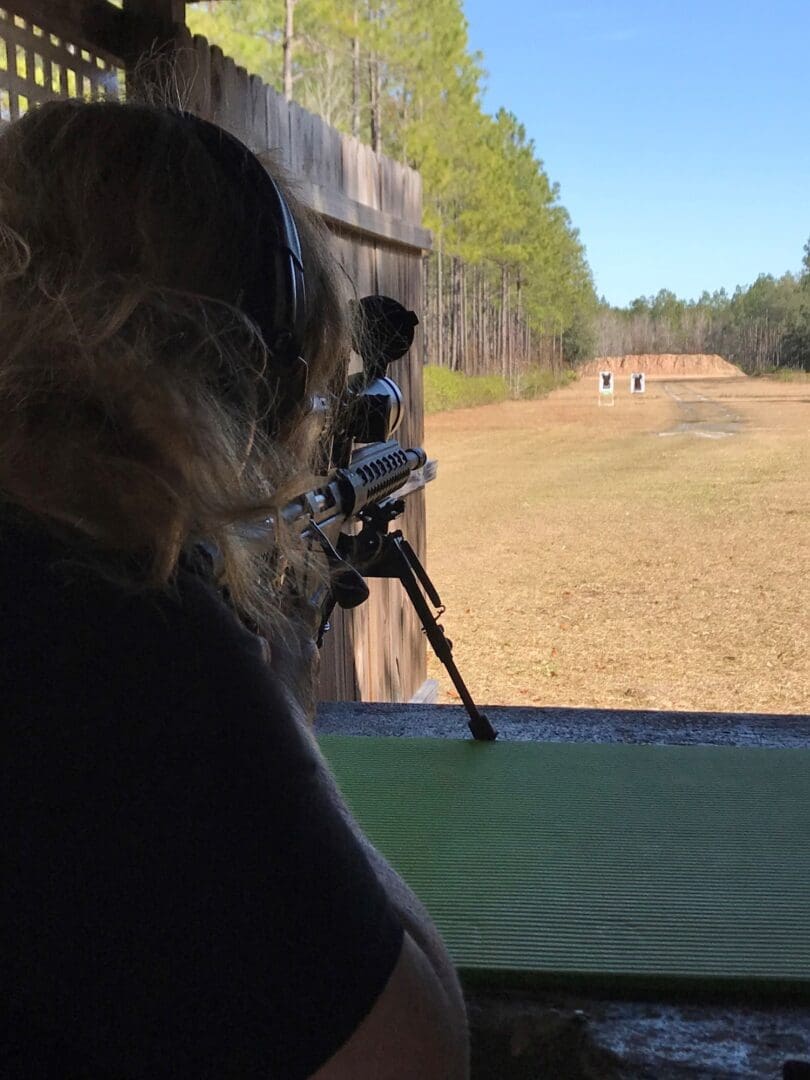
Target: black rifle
x,y
369,477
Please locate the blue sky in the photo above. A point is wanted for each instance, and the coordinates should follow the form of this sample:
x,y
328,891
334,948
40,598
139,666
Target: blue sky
x,y
679,132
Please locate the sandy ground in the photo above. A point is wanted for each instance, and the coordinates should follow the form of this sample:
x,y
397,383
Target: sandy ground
x,y
655,554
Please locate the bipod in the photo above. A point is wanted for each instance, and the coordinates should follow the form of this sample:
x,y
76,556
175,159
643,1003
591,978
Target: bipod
x,y
396,558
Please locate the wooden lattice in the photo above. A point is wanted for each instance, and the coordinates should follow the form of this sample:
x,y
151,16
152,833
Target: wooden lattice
x,y
36,66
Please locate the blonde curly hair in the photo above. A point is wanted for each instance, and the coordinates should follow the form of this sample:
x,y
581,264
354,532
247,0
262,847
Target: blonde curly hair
x,y
139,404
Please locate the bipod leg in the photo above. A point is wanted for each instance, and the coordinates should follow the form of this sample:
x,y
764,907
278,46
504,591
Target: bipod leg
x,y
411,573
419,571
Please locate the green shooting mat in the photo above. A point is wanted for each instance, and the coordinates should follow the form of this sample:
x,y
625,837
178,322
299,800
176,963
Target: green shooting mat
x,y
597,866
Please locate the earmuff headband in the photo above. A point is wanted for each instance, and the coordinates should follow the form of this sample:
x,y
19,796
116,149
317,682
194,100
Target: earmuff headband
x,y
277,306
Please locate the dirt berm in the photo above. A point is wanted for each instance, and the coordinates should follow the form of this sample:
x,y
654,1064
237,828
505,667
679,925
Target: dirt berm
x,y
666,366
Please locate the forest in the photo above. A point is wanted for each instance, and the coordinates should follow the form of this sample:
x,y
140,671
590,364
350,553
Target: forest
x,y
760,328
507,285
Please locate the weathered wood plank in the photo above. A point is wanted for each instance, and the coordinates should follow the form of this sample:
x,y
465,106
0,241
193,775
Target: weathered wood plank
x,y
278,126
227,106
202,54
216,82
258,113
364,219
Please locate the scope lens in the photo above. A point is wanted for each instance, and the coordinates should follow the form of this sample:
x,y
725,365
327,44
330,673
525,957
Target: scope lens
x,y
379,411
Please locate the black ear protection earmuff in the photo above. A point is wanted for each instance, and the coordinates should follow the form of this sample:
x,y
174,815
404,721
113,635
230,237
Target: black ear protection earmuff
x,y
276,299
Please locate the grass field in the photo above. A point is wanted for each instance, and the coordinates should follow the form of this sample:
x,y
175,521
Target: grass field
x,y
445,389
651,555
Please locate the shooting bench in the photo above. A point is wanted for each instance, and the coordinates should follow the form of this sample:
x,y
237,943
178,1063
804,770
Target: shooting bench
x,y
596,874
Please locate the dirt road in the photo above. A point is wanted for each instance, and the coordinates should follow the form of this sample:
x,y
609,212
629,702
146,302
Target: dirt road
x,y
701,414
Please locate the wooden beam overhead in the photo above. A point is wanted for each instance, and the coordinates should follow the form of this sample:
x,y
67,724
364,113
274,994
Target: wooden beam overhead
x,y
165,12
100,25
152,25
95,24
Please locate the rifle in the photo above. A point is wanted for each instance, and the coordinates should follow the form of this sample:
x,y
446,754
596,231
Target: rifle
x,y
369,476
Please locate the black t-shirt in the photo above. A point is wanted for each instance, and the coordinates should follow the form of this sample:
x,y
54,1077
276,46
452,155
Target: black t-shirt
x,y
179,898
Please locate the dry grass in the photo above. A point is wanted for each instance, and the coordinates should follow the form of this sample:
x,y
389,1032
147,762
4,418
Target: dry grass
x,y
585,560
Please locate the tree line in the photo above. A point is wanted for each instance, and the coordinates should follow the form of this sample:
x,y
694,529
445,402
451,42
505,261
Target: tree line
x,y
507,284
759,328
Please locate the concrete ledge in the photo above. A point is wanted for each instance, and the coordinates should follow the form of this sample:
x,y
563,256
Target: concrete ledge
x,y
522,724
590,1039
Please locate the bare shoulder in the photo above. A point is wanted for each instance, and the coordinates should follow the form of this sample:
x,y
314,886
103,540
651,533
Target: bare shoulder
x,y
411,1032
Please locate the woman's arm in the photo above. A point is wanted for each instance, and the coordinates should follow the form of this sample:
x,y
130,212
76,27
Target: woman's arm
x,y
412,1033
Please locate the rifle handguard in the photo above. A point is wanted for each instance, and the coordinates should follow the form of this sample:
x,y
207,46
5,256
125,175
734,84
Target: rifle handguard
x,y
378,471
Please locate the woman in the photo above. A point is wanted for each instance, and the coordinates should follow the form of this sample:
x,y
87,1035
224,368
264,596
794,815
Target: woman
x,y
187,896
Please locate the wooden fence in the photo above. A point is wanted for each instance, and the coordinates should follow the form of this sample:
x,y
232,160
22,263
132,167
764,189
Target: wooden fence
x,y
373,206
